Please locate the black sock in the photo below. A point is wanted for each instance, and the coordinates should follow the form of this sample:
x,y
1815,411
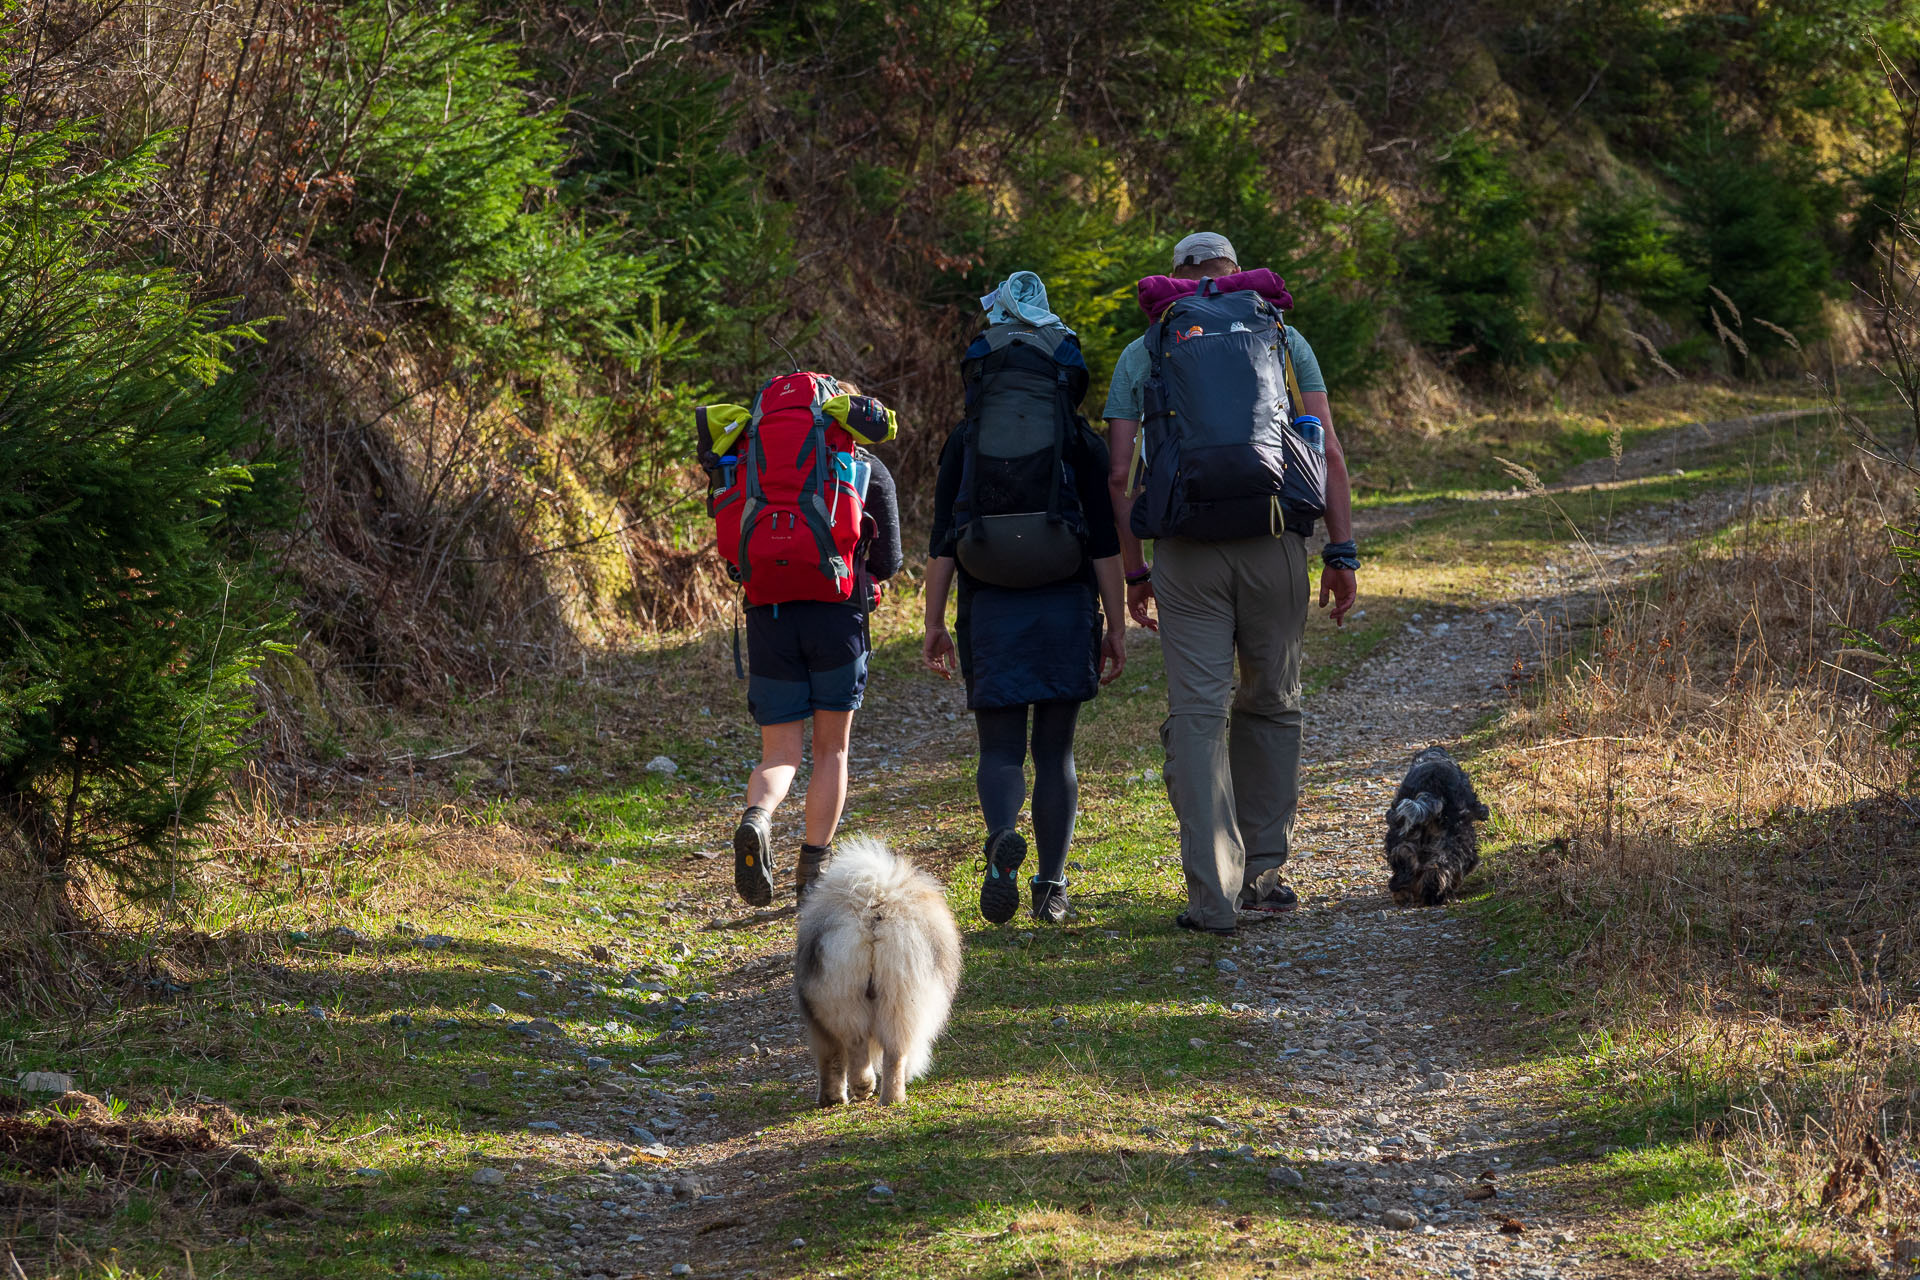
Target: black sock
x,y
758,815
812,852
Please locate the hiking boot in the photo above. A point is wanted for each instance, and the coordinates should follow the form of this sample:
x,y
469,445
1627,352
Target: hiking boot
x,y
1275,901
1050,905
1186,921
753,861
1000,892
806,869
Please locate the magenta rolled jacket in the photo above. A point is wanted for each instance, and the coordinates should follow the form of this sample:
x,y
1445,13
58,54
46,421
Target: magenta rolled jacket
x,y
1157,292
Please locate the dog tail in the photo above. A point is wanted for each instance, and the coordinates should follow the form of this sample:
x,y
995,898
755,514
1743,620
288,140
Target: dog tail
x,y
1415,811
910,944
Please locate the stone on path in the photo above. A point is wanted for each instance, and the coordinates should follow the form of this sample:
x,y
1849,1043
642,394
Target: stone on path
x,y
665,764
1398,1220
1282,1176
488,1177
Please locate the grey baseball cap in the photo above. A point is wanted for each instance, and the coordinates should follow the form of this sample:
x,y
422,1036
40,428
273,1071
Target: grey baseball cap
x,y
1203,246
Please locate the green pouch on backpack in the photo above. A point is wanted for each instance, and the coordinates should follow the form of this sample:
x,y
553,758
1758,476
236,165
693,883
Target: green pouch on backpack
x,y
866,419
719,425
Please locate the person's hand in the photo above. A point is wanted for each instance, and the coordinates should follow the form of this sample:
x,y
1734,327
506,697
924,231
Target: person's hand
x,y
1339,586
879,593
937,652
1138,593
1113,653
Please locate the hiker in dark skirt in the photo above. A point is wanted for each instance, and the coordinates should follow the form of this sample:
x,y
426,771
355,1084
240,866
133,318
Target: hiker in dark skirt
x,y
1029,652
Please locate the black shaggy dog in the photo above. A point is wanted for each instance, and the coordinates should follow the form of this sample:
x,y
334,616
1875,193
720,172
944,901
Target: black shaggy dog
x,y
1431,845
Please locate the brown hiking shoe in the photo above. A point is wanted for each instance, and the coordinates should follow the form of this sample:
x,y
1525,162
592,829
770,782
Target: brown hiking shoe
x,y
806,869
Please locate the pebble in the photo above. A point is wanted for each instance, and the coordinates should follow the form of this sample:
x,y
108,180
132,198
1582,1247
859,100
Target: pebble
x,y
680,1268
1226,966
599,1064
880,1191
544,1126
495,1010
400,1020
46,1082
1398,1220
1439,1082
1060,1022
798,1242
1282,1176
1219,1122
478,1080
645,1137
434,942
369,1173
488,1177
665,764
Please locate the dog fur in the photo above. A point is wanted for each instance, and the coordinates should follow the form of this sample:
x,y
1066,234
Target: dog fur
x,y
875,966
1431,843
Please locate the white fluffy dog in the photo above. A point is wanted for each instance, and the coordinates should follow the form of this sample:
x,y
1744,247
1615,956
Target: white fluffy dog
x,y
875,966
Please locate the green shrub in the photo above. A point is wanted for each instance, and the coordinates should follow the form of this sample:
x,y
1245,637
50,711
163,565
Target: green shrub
x,y
1758,223
1468,287
454,194
1632,252
130,610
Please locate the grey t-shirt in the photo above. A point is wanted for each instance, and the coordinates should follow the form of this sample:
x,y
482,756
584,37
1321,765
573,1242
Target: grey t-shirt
x,y
1130,374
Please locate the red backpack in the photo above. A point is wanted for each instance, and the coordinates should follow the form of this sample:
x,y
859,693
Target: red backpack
x,y
785,490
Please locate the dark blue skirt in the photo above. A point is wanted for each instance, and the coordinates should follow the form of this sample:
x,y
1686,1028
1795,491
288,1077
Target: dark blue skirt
x,y
1035,644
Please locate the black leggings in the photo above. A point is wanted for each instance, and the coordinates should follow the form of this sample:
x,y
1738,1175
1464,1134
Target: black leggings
x,y
1056,788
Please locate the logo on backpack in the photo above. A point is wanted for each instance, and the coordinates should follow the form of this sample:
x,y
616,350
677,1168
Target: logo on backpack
x,y
1221,455
1017,520
785,488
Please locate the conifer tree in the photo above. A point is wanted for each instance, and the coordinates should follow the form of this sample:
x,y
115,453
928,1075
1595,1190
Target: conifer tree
x,y
131,611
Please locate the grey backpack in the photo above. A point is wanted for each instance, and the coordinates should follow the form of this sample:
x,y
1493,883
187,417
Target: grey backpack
x,y
1220,454
1016,518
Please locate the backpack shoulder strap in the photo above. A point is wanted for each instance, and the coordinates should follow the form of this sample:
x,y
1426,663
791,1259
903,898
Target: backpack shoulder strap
x,y
1294,401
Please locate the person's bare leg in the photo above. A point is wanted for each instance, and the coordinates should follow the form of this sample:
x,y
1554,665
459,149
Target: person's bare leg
x,y
782,748
827,788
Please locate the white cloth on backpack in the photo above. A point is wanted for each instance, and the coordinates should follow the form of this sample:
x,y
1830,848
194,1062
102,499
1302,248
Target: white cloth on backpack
x,y
1021,296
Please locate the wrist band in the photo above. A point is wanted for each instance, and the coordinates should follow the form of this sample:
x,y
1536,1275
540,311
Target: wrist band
x,y
1340,555
1145,575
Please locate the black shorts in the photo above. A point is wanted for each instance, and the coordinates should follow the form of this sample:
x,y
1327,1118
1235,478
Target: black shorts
x,y
803,657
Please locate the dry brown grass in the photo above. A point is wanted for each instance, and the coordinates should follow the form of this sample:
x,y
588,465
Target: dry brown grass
x,y
1706,808
1709,764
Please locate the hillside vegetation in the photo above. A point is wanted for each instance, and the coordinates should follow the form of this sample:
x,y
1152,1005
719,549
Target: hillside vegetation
x,y
499,250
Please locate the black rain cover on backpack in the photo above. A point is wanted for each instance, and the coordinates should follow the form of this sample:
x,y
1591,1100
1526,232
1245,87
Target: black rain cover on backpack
x,y
1222,459
1017,520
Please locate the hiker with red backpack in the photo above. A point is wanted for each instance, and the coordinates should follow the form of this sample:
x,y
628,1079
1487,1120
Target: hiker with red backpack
x,y
809,524
1237,460
1023,520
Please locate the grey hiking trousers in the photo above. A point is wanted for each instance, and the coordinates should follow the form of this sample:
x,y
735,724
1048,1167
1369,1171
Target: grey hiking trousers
x,y
1232,757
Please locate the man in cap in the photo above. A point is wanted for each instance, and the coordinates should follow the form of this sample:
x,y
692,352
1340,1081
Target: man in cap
x,y
1234,779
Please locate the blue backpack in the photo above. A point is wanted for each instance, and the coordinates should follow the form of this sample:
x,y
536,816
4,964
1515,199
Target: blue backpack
x,y
1220,455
